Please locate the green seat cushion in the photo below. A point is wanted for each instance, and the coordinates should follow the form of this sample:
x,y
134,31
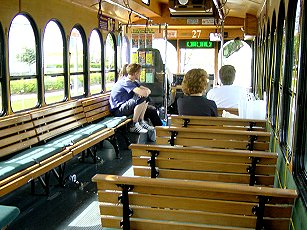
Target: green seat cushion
x,y
112,122
7,215
26,159
14,164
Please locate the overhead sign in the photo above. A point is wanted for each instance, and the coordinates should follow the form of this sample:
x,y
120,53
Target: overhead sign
x,y
205,44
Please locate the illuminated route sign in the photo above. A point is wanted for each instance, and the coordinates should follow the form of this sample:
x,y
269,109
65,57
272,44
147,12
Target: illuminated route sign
x,y
205,44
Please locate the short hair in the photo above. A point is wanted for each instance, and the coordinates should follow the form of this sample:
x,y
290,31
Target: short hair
x,y
227,74
133,68
195,81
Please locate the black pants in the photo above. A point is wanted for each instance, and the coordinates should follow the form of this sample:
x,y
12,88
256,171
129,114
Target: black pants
x,y
152,115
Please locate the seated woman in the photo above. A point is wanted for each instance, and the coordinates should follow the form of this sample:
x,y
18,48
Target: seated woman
x,y
192,102
128,97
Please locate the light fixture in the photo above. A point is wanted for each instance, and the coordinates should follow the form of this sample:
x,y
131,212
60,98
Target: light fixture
x,y
128,9
183,2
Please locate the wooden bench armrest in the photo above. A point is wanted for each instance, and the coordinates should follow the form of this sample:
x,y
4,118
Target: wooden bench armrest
x,y
197,185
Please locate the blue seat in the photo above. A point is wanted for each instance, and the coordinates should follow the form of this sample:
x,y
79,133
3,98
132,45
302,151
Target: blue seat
x,y
7,215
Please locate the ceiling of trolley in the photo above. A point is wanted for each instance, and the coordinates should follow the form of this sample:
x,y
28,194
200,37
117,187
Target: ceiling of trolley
x,y
157,8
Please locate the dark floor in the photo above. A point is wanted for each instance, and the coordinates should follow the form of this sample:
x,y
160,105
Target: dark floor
x,y
66,207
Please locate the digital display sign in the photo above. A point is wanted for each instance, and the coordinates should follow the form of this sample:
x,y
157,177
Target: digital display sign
x,y
205,44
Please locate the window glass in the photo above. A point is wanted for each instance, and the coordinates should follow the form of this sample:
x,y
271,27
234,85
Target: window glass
x,y
279,107
295,56
53,63
76,63
125,50
240,56
95,63
109,62
22,64
189,59
2,66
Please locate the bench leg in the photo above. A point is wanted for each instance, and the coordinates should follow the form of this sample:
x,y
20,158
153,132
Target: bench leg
x,y
90,152
44,182
113,141
59,175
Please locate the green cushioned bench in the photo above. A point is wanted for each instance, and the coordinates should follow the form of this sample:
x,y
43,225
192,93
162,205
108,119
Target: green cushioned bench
x,y
7,215
97,112
35,143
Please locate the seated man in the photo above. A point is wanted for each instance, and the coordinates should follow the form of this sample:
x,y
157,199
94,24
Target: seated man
x,y
129,98
192,102
228,95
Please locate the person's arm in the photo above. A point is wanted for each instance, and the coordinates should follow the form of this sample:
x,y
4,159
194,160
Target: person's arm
x,y
143,92
143,87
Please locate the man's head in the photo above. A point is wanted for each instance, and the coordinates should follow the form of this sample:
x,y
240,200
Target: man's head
x,y
227,74
134,70
195,82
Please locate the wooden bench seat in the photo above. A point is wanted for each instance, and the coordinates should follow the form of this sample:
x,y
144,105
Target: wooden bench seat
x,y
209,137
208,164
36,143
97,111
148,203
234,111
218,122
7,215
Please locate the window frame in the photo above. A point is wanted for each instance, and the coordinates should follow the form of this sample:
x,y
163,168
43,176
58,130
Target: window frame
x,y
101,71
38,75
287,81
300,149
275,81
106,71
85,63
3,89
65,63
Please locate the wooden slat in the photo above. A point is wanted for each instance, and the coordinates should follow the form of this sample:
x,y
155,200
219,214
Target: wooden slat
x,y
205,176
203,185
204,166
203,153
113,222
218,122
185,204
181,216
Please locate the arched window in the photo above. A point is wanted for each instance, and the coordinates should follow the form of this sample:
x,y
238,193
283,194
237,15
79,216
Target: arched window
x,y
289,84
23,65
239,54
77,48
125,50
2,69
300,159
110,59
278,68
95,55
53,51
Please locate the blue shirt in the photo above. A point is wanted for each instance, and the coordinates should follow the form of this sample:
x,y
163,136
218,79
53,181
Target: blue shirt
x,y
122,91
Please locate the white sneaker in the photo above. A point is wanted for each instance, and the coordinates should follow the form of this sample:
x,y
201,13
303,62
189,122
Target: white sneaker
x,y
146,126
137,128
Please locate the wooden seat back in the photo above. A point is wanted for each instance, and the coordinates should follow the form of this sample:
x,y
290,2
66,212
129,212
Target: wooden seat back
x,y
234,111
209,137
97,107
55,120
147,203
207,164
218,122
16,133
